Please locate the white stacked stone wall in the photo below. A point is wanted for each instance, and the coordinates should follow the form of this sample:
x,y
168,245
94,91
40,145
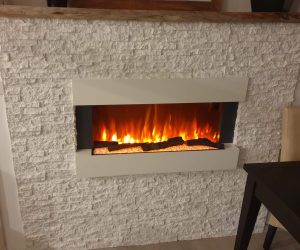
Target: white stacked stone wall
x,y
38,60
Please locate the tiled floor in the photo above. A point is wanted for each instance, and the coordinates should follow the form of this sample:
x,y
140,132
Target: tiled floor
x,y
282,241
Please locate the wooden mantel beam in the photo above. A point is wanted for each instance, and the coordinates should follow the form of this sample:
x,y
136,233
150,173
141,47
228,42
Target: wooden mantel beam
x,y
142,15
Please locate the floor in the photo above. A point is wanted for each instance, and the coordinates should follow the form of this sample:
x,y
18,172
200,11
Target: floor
x,y
282,241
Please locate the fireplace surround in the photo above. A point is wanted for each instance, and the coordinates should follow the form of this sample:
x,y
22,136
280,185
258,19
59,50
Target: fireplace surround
x,y
139,126
62,211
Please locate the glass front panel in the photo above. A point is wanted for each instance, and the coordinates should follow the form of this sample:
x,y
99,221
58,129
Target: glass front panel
x,y
156,125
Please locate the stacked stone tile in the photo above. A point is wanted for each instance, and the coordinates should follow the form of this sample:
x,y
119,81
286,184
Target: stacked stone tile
x,y
38,60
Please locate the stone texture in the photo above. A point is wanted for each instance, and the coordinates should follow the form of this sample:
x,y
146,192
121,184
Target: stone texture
x,y
38,60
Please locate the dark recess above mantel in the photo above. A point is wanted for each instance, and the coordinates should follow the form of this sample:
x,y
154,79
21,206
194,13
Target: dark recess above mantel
x,y
147,15
177,5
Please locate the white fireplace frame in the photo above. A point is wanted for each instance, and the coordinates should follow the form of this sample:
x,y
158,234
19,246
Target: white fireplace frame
x,y
157,91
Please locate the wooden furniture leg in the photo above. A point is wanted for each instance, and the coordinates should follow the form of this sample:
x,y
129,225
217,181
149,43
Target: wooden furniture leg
x,y
249,212
269,237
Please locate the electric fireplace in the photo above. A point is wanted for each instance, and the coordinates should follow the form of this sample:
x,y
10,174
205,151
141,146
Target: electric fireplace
x,y
121,124
140,128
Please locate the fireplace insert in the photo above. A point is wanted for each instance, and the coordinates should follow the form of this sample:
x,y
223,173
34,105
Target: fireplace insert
x,y
143,128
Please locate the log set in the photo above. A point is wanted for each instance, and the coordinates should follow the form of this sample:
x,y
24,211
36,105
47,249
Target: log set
x,y
204,142
175,141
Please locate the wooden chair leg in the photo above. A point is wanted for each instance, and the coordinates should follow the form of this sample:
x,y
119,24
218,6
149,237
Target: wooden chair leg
x,y
269,237
249,212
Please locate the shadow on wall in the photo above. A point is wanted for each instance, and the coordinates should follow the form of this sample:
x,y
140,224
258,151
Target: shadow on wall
x,y
14,239
2,242
9,204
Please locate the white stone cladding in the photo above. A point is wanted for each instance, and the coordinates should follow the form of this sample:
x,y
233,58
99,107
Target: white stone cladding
x,y
38,60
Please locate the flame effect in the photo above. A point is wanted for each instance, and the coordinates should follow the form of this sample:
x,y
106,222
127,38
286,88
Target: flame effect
x,y
156,122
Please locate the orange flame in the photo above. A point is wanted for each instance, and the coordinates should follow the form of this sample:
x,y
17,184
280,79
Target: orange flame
x,y
156,122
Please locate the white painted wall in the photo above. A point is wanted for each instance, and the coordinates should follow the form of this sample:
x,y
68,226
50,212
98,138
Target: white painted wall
x,y
9,205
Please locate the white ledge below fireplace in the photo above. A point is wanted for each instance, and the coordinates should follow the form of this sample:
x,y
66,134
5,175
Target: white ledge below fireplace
x,y
149,163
